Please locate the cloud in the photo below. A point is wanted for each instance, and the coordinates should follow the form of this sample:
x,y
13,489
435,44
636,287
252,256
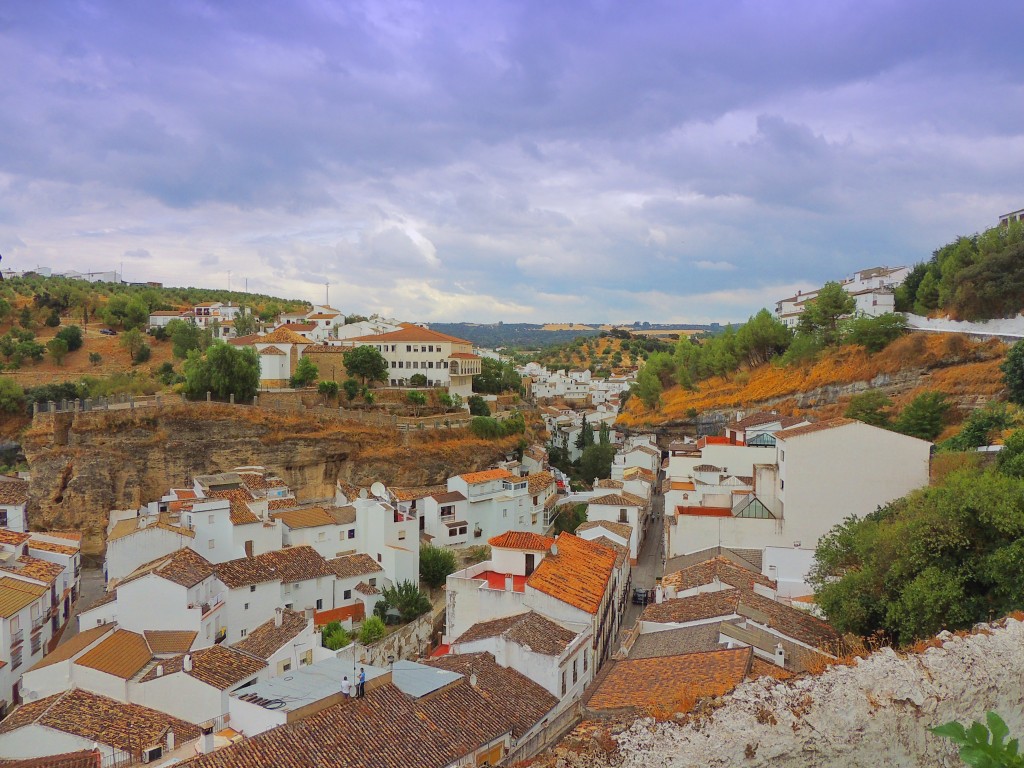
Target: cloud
x,y
506,158
138,253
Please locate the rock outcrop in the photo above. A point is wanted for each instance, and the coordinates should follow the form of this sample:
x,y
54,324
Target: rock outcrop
x,y
85,464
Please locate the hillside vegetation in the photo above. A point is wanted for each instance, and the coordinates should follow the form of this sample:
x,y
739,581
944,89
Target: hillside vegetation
x,y
601,354
973,278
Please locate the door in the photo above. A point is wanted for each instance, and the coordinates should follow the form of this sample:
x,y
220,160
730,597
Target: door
x,y
531,563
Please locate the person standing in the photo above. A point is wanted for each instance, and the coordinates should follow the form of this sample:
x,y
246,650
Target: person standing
x,y
361,685
346,687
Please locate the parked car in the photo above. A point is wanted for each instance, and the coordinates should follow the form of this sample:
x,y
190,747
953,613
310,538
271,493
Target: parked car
x,y
108,332
641,596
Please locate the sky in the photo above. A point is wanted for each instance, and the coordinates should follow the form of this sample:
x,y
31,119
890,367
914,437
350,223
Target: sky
x,y
518,161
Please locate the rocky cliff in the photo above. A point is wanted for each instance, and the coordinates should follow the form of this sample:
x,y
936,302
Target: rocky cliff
x,y
85,464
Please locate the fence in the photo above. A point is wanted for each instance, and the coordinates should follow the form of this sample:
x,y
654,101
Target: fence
x,y
548,734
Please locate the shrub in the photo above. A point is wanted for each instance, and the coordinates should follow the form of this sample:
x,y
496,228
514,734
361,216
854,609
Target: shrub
x,y
305,374
328,388
924,416
53,319
406,597
58,349
436,563
478,406
12,396
418,380
875,333
95,358
335,636
72,335
351,387
373,629
144,353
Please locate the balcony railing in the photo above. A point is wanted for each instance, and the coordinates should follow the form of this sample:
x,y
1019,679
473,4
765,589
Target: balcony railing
x,y
38,622
17,636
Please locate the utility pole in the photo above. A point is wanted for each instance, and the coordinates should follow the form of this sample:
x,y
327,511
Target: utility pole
x,y
327,293
229,279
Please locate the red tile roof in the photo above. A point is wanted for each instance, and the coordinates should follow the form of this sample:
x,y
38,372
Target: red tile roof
x,y
522,540
577,573
472,478
820,426
412,333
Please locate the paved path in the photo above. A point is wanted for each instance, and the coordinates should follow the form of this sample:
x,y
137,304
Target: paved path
x,y
92,590
650,564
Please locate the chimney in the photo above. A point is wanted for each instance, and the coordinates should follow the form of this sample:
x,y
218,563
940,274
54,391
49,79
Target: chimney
x,y
278,616
659,595
186,664
170,741
508,582
472,679
780,655
206,740
309,614
159,670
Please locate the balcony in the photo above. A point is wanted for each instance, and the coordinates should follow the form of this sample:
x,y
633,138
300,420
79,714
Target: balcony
x,y
17,636
38,622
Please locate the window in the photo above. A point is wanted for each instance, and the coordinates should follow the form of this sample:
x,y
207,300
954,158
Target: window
x,y
408,347
209,544
322,536
373,582
782,455
252,588
247,606
319,604
378,557
782,485
623,517
351,533
210,521
453,532
244,632
563,682
401,535
584,659
347,594
430,364
207,631
535,498
575,672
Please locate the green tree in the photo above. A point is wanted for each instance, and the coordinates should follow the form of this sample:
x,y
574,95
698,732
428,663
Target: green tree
x,y
335,636
12,396
762,337
436,563
367,363
373,629
95,358
328,388
875,333
245,323
305,374
570,517
496,377
351,387
1011,458
72,336
5,309
58,349
25,317
406,597
981,427
927,297
417,400
223,370
133,341
478,406
647,387
596,462
1013,373
871,407
586,436
822,314
418,380
185,336
923,416
605,435
29,349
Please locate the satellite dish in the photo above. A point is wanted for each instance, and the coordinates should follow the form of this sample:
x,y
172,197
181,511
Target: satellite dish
x,y
378,490
32,695
363,494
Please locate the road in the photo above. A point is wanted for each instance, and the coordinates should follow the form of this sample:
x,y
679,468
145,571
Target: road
x,y
92,590
650,563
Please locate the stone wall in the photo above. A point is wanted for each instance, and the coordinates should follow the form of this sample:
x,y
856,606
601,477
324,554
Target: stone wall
x,y
410,642
874,713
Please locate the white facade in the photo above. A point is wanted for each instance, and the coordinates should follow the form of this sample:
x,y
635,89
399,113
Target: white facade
x,y
872,288
445,361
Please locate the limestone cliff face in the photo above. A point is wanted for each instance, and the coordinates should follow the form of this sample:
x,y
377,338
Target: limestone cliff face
x,y
84,465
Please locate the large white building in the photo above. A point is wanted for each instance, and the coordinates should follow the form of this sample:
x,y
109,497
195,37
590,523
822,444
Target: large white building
x,y
872,288
444,360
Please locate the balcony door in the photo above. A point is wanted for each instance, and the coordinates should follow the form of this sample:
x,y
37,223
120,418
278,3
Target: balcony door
x,y
531,563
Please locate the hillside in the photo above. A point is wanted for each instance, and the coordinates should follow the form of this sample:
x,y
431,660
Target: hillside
x,y
601,354
966,370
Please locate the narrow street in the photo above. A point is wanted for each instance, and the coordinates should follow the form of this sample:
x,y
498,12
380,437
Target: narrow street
x,y
649,564
92,590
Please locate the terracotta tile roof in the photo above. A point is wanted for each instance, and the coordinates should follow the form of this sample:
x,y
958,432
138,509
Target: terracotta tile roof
x,y
724,569
185,567
73,535
645,449
707,468
529,629
791,622
539,481
707,605
127,727
522,540
621,552
274,505
418,492
216,665
131,526
282,335
15,594
88,758
287,565
367,589
169,640
272,350
384,729
523,702
322,316
122,655
57,549
622,530
645,474
239,498
75,645
683,485
34,568
342,515
608,483
672,683
354,565
13,491
411,333
324,349
245,341
449,497
12,538
310,517
472,478
619,500
578,574
268,638
755,419
463,356
672,642
751,559
761,668
301,327
820,426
